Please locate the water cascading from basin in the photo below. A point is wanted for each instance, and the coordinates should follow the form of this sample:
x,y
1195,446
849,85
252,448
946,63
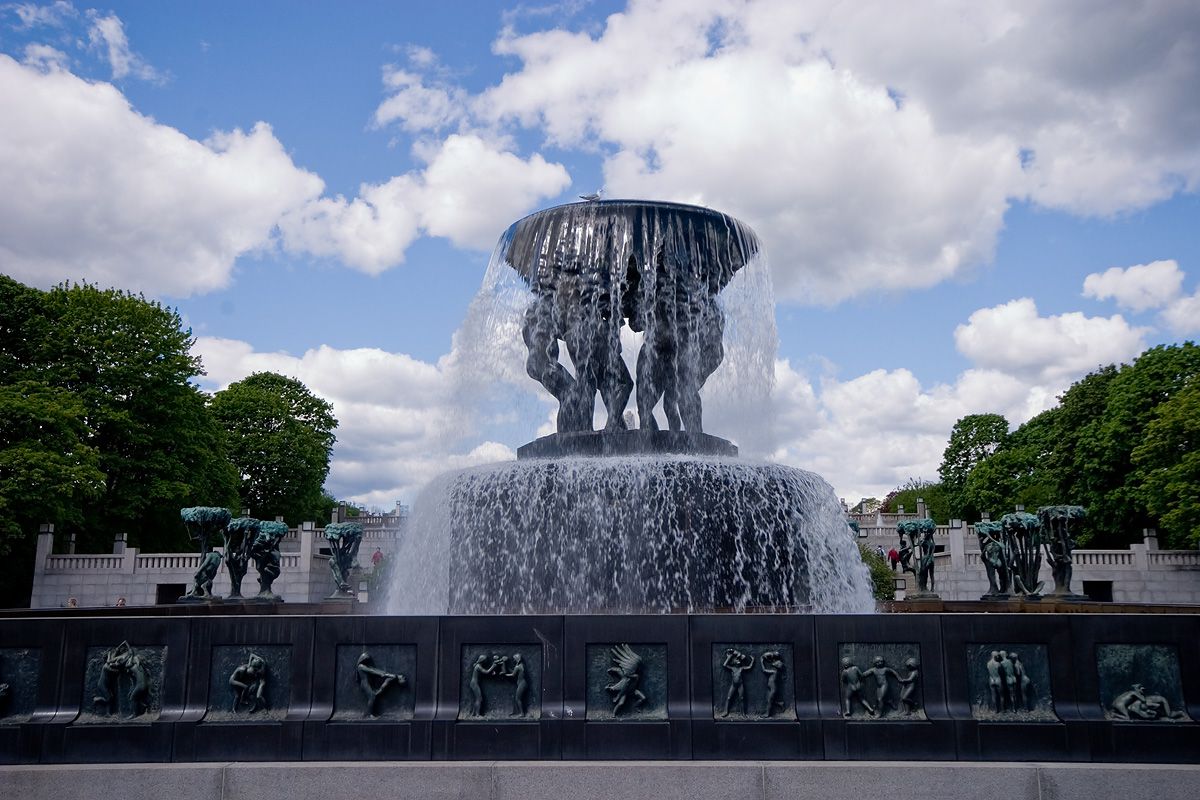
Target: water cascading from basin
x,y
666,308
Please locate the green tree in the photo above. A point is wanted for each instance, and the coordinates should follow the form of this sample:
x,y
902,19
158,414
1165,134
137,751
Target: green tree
x,y
106,375
280,438
129,362
937,502
973,439
1167,466
1098,453
883,581
1018,472
47,473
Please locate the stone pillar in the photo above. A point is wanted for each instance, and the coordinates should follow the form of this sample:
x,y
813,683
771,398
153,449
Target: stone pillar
x,y
119,543
958,550
1150,538
985,517
921,509
70,544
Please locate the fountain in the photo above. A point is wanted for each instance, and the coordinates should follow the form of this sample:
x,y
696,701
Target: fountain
x,y
630,518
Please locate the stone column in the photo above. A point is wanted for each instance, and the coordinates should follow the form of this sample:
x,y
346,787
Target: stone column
x,y
958,550
119,543
1150,538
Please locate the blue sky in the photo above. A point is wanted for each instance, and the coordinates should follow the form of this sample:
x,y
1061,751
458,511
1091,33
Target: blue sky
x,y
965,207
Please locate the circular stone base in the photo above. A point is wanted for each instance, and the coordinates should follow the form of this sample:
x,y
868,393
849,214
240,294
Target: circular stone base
x,y
627,443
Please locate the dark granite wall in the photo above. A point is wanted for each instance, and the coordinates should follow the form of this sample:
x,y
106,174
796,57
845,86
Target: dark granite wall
x,y
1088,687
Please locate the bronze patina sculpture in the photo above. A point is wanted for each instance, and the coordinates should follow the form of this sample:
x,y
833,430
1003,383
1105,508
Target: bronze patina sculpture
x,y
264,549
122,661
626,672
1137,705
202,523
1059,524
852,689
880,671
909,685
239,534
1023,541
249,684
995,558
736,662
920,536
373,682
344,539
772,665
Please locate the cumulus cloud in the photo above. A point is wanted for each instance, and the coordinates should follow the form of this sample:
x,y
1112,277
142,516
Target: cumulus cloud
x,y
95,191
398,419
403,420
43,57
108,34
1182,315
871,433
1014,339
414,106
1137,288
468,191
868,156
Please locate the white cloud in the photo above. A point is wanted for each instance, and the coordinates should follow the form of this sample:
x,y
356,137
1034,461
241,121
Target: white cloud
x,y
93,190
400,421
403,421
869,434
1014,339
417,107
45,58
1182,316
108,34
31,15
468,192
1139,287
869,156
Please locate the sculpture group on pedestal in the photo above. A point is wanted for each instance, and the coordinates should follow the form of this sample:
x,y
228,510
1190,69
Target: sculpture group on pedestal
x,y
344,539
919,546
1011,551
657,268
244,539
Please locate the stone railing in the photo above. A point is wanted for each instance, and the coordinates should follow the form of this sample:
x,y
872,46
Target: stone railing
x,y
1173,558
1109,559
169,561
78,562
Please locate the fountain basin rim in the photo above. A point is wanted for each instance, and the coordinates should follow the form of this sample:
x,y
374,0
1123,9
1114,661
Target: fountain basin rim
x,y
627,443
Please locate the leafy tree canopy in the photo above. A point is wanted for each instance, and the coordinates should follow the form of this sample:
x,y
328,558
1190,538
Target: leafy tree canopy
x,y
972,440
937,501
104,432
280,438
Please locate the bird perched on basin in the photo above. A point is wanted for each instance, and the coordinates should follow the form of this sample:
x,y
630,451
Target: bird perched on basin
x,y
593,196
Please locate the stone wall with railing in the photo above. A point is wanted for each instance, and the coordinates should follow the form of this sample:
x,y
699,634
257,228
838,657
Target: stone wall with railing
x,y
1140,574
100,579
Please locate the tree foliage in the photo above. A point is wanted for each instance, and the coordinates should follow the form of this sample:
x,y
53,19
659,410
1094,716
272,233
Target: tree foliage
x,y
937,501
280,438
104,432
1121,443
1167,466
972,440
883,581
